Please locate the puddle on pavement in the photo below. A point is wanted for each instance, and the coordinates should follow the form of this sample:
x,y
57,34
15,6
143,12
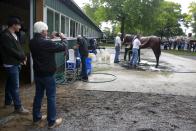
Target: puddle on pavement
x,y
145,65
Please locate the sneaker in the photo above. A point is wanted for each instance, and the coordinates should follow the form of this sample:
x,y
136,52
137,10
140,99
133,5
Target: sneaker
x,y
57,123
85,80
116,62
134,66
22,111
40,121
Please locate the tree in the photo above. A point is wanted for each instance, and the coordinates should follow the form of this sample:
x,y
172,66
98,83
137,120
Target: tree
x,y
168,18
186,19
143,15
146,17
132,15
135,16
115,12
192,14
95,11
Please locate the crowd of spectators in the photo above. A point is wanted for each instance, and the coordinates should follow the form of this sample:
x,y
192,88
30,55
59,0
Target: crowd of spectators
x,y
179,43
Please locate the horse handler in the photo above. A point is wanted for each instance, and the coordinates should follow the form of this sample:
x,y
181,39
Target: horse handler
x,y
43,53
117,48
135,51
128,46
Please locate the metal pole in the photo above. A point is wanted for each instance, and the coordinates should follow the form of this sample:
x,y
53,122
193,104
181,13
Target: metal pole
x,y
31,36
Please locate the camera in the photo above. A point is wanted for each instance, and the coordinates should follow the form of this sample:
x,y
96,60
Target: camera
x,y
57,34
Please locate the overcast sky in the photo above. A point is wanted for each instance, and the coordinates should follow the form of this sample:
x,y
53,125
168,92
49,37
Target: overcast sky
x,y
184,3
81,2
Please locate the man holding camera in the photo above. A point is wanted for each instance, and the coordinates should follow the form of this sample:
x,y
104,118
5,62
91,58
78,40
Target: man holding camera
x,y
43,53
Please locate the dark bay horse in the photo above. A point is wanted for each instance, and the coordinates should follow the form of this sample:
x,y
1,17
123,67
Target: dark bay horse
x,y
152,42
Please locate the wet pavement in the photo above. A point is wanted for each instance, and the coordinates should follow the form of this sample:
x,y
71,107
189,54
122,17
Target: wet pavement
x,y
175,75
143,99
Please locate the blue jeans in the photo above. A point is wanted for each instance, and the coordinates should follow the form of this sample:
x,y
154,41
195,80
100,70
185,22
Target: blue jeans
x,y
84,74
134,58
12,86
45,83
117,53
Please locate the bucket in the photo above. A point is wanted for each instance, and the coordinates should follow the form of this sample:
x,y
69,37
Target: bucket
x,y
89,65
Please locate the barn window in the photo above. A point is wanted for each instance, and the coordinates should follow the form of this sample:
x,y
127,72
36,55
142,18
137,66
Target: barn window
x,y
57,22
63,24
76,29
50,21
82,30
79,29
72,28
87,31
67,26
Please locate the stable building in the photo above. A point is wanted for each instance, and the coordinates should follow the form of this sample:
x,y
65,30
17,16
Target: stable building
x,y
61,16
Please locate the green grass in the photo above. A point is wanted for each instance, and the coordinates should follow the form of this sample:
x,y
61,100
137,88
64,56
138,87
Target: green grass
x,y
180,53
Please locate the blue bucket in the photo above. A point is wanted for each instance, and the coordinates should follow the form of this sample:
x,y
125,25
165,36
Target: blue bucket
x,y
89,65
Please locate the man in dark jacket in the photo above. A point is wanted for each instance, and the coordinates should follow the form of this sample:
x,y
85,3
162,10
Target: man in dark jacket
x,y
43,53
12,56
83,50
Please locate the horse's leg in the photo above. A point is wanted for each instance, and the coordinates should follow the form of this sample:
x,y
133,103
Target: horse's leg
x,y
125,55
157,52
130,53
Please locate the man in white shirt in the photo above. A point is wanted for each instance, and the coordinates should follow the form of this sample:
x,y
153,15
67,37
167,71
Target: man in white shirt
x,y
136,46
117,48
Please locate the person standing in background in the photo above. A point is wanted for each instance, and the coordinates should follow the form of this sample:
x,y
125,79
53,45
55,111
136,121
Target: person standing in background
x,y
82,46
135,51
12,56
117,42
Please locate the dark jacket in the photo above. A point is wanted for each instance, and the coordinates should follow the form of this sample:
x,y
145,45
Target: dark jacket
x,y
10,49
43,53
83,47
